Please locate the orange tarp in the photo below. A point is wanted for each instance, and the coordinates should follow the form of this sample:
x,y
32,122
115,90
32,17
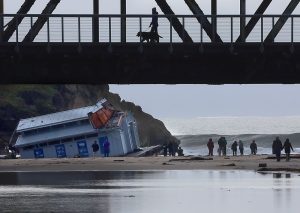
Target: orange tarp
x,y
101,117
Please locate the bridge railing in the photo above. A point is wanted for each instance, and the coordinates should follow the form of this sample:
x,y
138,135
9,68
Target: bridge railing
x,y
79,28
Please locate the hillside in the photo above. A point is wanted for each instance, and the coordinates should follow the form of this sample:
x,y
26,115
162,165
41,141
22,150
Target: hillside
x,y
23,101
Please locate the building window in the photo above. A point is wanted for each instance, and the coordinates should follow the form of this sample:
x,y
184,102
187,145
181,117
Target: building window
x,y
28,147
65,140
42,144
54,142
79,138
94,135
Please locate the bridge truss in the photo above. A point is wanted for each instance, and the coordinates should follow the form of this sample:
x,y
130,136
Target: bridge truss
x,y
198,48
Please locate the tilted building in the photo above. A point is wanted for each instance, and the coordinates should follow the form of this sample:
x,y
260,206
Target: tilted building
x,y
71,133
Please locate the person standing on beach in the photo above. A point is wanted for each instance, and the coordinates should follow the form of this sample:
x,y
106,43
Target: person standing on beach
x,y
220,143
241,147
95,148
234,148
170,148
224,146
253,148
287,148
277,147
210,146
165,148
106,148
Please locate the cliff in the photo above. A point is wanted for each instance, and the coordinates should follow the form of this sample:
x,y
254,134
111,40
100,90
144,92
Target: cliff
x,y
23,101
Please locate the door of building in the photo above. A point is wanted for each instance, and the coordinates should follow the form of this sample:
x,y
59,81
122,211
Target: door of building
x,y
82,149
60,151
38,153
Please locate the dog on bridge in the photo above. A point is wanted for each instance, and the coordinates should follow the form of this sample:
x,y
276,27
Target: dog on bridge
x,y
149,37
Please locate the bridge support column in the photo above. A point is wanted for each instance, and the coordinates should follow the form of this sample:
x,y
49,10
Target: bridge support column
x,y
96,21
242,19
123,21
214,19
1,20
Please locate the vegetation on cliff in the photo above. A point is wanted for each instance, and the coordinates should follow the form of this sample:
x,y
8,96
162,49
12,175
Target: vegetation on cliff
x,y
23,101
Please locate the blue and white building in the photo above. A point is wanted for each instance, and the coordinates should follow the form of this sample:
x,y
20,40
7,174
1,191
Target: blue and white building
x,y
71,134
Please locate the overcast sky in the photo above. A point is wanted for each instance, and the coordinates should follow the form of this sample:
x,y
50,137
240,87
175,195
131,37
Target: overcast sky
x,y
188,101
164,101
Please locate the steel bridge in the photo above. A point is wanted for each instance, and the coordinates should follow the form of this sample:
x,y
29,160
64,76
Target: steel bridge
x,y
103,48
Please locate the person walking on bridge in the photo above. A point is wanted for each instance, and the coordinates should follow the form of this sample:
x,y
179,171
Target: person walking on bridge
x,y
154,22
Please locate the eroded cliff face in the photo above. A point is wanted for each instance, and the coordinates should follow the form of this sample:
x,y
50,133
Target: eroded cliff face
x,y
22,101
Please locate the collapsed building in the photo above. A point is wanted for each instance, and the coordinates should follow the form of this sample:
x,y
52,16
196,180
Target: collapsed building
x,y
71,133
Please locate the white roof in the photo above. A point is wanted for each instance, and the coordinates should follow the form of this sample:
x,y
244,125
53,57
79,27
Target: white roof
x,y
55,135
58,118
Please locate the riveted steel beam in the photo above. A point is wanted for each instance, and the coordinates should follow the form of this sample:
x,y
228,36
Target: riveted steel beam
x,y
38,25
16,21
183,34
206,25
281,21
253,21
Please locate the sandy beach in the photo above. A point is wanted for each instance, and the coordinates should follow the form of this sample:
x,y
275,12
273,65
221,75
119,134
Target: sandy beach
x,y
150,163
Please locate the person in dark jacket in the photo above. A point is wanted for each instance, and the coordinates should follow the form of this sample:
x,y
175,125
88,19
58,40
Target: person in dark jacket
x,y
241,147
165,148
180,151
234,148
95,148
210,146
287,148
154,22
224,146
253,148
277,147
220,146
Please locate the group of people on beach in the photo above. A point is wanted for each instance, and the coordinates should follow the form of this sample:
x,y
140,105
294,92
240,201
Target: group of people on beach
x,y
222,149
277,147
171,149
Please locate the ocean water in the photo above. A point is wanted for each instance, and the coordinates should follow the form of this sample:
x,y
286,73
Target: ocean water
x,y
195,132
233,125
150,192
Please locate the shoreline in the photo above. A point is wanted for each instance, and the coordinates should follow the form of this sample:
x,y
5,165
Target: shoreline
x,y
158,163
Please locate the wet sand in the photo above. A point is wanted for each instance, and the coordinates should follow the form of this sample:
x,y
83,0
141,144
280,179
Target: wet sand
x,y
150,163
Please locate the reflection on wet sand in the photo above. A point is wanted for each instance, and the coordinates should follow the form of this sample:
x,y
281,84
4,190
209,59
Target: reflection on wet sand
x,y
149,191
